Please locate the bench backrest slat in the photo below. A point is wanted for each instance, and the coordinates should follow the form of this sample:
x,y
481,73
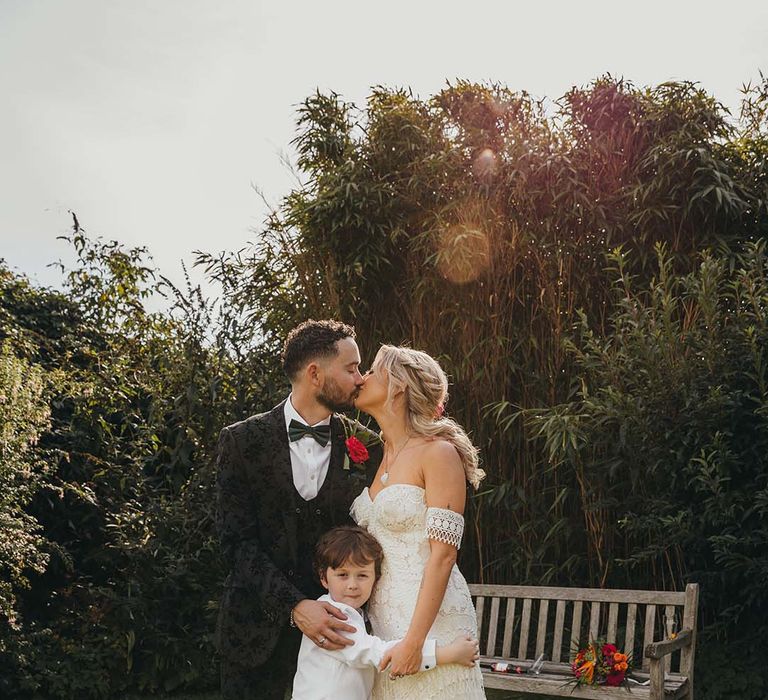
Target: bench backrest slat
x,y
492,625
594,620
541,630
509,624
629,634
479,606
557,642
576,624
525,626
613,623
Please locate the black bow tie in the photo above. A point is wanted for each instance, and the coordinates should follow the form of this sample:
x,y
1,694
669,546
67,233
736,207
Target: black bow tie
x,y
297,430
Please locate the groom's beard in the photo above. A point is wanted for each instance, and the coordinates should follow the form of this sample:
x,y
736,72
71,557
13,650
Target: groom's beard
x,y
334,399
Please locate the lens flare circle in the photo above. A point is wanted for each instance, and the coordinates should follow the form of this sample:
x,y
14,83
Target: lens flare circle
x,y
485,165
463,253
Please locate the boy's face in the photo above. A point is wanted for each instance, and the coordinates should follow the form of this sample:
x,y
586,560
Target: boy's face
x,y
351,583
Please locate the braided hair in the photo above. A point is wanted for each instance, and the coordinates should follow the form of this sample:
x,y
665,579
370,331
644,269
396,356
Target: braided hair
x,y
425,387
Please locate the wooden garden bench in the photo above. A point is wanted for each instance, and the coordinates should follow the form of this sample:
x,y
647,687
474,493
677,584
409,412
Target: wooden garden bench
x,y
515,626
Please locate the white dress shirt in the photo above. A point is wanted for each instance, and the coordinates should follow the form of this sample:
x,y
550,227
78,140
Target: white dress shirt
x,y
349,673
309,459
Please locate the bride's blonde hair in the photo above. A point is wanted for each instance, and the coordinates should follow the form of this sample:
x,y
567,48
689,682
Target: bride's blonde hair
x,y
425,388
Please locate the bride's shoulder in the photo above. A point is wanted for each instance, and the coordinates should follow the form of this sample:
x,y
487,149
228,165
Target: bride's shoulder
x,y
440,453
444,479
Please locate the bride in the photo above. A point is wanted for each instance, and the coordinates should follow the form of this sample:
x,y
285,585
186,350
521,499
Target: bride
x,y
415,509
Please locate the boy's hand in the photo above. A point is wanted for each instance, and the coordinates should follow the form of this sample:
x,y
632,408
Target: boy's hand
x,y
321,622
463,650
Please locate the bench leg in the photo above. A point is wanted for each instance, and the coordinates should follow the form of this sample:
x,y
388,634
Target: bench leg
x,y
657,679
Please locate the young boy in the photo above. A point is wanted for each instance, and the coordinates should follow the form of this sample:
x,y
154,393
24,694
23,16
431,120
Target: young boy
x,y
348,561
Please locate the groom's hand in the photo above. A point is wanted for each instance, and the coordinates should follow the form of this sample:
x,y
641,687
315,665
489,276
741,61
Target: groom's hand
x,y
320,621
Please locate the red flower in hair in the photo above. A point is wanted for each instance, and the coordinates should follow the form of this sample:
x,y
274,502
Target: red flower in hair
x,y
440,410
358,452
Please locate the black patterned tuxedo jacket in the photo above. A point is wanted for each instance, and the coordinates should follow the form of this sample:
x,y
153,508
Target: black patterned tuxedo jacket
x,y
268,531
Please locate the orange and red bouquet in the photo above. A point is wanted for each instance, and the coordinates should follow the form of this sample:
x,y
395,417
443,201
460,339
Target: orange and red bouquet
x,y
600,663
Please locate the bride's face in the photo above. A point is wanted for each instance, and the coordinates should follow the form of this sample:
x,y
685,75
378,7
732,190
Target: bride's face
x,y
373,392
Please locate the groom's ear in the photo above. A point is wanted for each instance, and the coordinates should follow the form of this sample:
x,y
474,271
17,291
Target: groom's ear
x,y
313,373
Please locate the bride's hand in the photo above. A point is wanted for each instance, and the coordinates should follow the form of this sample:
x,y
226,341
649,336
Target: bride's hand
x,y
403,659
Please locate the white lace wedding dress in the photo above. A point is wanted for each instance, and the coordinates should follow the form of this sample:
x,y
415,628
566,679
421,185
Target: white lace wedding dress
x,y
399,519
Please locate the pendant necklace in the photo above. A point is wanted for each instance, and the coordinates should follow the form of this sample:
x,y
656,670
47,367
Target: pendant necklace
x,y
384,478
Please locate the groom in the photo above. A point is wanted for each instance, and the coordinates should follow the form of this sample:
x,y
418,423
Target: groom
x,y
283,480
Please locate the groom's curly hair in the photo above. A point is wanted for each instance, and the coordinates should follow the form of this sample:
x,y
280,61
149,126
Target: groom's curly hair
x,y
347,543
313,340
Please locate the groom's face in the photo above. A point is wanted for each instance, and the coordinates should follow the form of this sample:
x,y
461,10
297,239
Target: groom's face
x,y
340,377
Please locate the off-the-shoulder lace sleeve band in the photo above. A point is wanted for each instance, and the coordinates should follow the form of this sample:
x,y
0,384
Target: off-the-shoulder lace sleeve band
x,y
445,525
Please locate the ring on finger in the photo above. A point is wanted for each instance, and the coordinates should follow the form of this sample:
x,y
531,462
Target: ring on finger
x,y
321,641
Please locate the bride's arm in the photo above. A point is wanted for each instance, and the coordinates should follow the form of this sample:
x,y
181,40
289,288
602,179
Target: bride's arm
x,y
446,487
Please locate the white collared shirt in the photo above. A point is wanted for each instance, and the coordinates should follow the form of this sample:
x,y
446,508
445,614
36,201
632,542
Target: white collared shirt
x,y
309,460
348,673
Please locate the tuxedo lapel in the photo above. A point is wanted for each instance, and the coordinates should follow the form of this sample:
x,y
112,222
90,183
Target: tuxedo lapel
x,y
338,449
342,484
279,462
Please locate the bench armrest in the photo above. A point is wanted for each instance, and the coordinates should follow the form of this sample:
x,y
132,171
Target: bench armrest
x,y
658,650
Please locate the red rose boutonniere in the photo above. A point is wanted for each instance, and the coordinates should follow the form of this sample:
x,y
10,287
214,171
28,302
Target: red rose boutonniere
x,y
356,443
356,451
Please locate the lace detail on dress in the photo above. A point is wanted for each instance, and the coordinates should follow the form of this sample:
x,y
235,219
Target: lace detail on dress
x,y
445,525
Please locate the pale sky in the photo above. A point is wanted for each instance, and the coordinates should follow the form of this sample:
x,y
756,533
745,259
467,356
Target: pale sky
x,y
153,119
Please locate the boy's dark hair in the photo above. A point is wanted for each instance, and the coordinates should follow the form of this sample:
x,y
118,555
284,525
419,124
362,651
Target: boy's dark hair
x,y
346,543
312,340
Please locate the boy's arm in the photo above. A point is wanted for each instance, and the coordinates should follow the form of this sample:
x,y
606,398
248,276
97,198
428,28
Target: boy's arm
x,y
431,654
368,650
